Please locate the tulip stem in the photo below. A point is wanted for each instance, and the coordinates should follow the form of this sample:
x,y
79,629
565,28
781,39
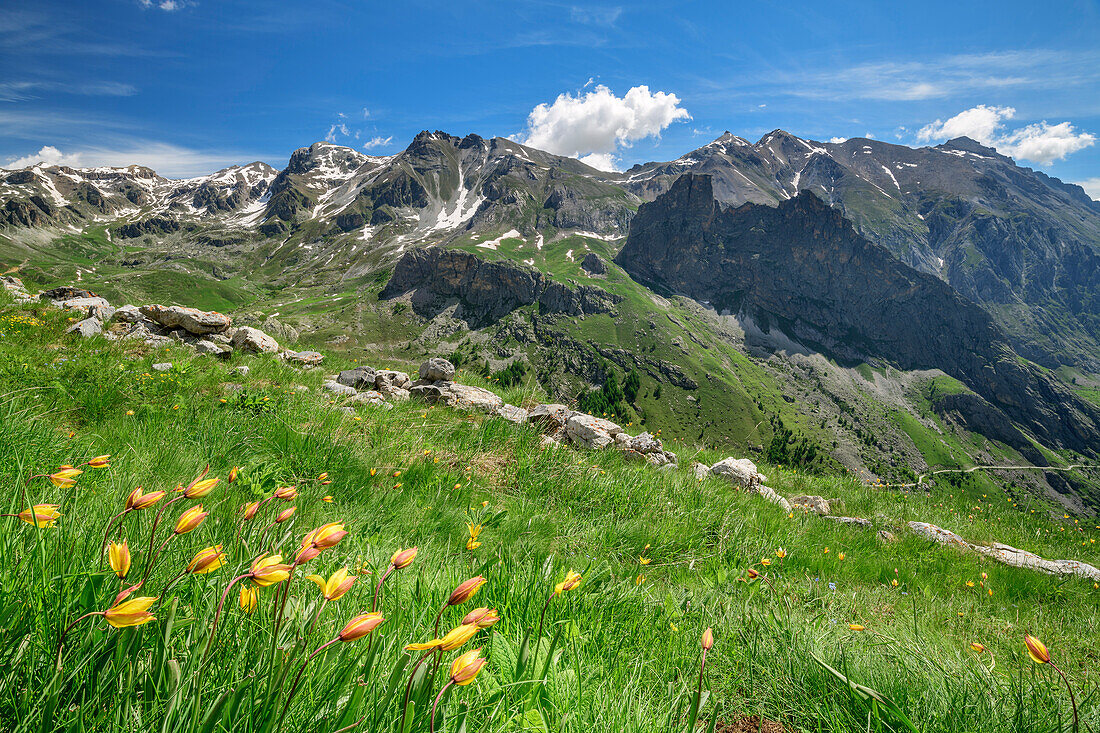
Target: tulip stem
x,y
408,687
218,613
378,589
435,628
431,723
107,534
298,677
1072,701
313,625
61,639
156,555
156,520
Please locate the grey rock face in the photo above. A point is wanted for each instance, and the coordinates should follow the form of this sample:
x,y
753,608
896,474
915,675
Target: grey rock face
x,y
511,413
593,264
591,432
128,314
437,370
802,269
191,320
254,341
361,377
485,291
739,471
551,417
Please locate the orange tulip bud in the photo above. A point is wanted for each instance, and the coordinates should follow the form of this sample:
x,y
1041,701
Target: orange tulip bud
x,y
249,510
977,647
138,501
198,489
482,617
286,493
337,584
466,590
100,461
65,476
360,626
325,536
233,473
708,639
285,514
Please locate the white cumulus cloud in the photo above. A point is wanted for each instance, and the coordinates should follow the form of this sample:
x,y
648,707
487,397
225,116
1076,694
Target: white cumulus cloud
x,y
1040,142
48,155
593,126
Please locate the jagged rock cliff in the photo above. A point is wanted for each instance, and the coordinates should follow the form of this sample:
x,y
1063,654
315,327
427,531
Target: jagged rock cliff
x,y
485,291
801,268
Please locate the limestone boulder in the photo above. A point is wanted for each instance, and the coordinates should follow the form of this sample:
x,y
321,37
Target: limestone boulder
x,y
437,369
304,358
391,378
361,377
191,320
338,389
254,341
738,471
511,413
86,328
551,417
589,432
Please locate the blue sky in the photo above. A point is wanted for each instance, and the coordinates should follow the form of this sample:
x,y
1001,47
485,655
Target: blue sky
x,y
188,87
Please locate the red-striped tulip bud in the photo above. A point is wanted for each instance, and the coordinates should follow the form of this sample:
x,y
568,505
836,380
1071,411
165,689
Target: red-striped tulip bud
x,y
572,580
207,560
708,639
286,493
403,558
233,473
41,515
1036,650
190,519
360,626
65,476
133,612
465,668
285,514
325,536
466,591
482,617
249,510
138,500
198,489
100,461
307,554
268,569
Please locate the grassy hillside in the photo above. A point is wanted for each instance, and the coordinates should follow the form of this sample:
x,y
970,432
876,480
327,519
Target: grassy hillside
x,y
619,653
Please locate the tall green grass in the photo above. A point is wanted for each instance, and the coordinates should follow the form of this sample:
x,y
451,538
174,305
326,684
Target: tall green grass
x,y
625,644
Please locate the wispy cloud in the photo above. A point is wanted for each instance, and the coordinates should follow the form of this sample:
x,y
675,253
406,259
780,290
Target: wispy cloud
x,y
377,142
20,91
936,78
167,6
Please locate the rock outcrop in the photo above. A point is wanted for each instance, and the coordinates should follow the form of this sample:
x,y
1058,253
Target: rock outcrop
x,y
436,279
800,269
191,320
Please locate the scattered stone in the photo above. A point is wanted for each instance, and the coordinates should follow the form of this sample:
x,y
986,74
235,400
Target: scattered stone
x,y
362,377
511,413
848,520
255,341
203,346
887,536
306,358
391,378
700,470
66,292
458,396
370,397
86,328
739,471
437,370
815,504
14,286
241,370
395,394
773,497
339,389
163,367
548,441
192,320
129,314
591,432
